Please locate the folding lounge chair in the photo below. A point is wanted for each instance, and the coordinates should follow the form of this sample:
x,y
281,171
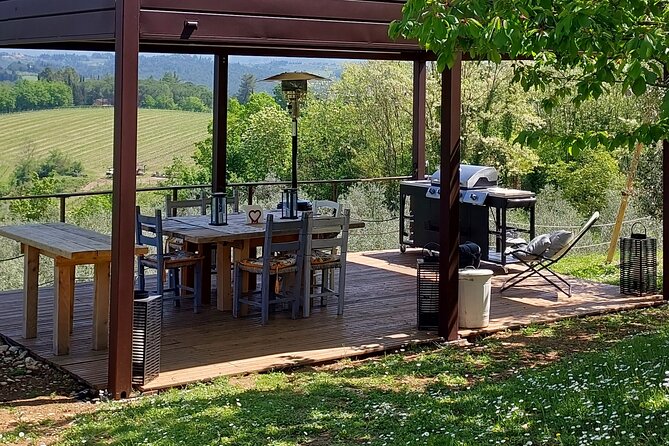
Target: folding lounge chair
x,y
540,264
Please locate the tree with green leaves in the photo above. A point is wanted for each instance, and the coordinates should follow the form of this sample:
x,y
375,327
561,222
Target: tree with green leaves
x,y
573,50
246,88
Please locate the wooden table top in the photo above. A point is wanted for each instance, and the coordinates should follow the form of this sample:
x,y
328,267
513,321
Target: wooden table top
x,y
196,229
62,239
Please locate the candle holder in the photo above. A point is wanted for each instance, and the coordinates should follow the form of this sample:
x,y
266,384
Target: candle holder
x,y
219,209
289,204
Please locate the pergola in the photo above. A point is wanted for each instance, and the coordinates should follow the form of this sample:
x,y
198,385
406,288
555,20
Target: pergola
x,y
307,28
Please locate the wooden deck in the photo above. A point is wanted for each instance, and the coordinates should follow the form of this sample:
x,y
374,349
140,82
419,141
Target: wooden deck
x,y
379,315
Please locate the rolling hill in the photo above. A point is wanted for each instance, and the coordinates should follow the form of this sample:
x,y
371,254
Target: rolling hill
x,y
86,135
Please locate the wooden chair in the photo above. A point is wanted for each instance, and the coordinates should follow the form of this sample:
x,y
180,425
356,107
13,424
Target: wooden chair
x,y
330,207
172,206
176,244
150,233
279,259
326,255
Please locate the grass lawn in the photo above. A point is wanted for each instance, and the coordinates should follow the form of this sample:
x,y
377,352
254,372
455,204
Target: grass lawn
x,y
599,380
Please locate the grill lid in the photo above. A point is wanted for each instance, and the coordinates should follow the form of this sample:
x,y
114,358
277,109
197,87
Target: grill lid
x,y
472,177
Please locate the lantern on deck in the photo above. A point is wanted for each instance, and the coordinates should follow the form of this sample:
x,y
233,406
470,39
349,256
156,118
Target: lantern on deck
x,y
638,264
428,291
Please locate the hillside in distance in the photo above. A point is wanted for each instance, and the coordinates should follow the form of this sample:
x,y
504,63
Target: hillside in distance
x,y
191,68
86,135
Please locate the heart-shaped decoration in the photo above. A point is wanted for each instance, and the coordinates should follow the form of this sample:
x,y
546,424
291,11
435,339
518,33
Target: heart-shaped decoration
x,y
254,215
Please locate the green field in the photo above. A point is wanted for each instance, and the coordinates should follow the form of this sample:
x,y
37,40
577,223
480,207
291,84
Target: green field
x,y
86,134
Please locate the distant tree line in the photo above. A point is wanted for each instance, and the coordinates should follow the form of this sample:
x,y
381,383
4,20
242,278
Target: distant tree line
x,y
65,88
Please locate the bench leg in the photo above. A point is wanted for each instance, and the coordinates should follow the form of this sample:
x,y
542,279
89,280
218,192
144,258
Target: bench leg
x,y
30,290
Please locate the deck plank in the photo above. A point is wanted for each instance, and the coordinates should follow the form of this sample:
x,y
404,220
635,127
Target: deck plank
x,y
379,315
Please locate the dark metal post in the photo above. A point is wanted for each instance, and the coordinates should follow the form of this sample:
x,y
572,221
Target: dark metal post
x,y
123,207
62,209
293,180
665,204
419,98
220,129
449,205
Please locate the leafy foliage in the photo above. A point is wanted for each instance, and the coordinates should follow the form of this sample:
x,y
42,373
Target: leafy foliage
x,y
575,50
37,209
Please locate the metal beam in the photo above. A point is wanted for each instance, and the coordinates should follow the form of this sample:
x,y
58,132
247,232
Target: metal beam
x,y
123,205
419,97
220,124
85,26
230,29
355,10
17,9
449,205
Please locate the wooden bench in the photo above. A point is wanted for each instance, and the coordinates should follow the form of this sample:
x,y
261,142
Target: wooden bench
x,y
68,246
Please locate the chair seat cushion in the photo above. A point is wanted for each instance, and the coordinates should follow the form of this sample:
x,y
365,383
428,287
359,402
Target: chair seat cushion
x,y
277,263
173,258
319,257
559,241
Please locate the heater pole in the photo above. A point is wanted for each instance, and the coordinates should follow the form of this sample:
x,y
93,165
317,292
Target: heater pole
x,y
295,112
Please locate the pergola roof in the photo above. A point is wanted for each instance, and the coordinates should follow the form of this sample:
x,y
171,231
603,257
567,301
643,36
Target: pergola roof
x,y
307,28
318,28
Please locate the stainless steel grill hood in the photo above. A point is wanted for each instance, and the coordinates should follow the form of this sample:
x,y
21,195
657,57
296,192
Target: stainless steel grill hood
x,y
472,177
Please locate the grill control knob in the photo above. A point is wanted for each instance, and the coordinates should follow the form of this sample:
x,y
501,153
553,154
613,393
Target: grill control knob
x,y
474,197
432,191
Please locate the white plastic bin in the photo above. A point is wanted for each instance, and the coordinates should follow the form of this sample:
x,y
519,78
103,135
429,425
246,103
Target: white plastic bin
x,y
474,303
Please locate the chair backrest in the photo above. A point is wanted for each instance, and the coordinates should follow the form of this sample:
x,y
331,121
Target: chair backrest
x,y
274,230
331,207
172,206
150,230
327,225
586,227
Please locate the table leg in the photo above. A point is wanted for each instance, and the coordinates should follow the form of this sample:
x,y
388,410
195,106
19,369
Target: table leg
x,y
205,251
101,305
30,290
63,297
187,274
239,254
223,278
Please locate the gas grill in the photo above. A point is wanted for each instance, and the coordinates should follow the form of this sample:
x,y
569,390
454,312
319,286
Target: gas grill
x,y
479,195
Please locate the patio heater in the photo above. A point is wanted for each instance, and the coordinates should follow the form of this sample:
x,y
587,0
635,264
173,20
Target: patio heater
x,y
294,87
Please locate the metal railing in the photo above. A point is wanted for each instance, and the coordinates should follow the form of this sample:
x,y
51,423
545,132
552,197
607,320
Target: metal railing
x,y
250,188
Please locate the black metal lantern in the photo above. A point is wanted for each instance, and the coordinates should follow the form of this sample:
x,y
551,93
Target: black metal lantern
x,y
289,203
146,337
638,264
219,209
428,292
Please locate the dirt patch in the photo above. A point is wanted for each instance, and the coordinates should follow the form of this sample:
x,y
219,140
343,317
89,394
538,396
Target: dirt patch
x,y
36,400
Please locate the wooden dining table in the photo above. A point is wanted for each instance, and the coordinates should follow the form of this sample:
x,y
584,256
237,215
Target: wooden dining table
x,y
237,240
68,246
